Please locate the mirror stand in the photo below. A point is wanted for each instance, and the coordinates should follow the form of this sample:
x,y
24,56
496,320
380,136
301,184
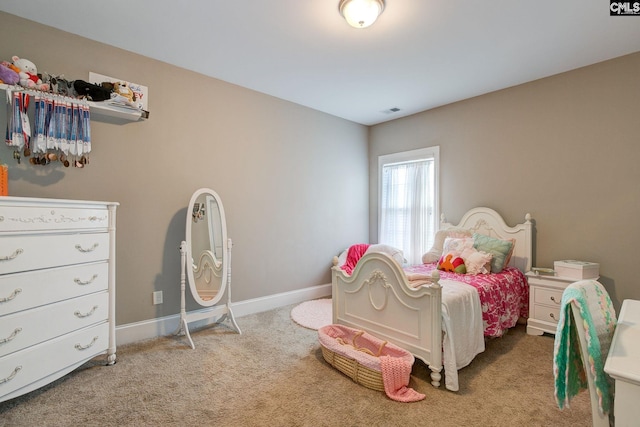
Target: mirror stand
x,y
222,311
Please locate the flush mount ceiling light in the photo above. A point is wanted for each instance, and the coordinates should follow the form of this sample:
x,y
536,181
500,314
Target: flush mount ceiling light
x,y
361,13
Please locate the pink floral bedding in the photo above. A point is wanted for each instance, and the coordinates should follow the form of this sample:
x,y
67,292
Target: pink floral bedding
x,y
504,296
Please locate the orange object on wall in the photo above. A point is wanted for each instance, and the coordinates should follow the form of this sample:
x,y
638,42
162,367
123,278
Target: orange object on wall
x,y
4,180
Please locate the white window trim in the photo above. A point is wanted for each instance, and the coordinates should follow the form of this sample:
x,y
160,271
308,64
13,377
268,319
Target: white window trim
x,y
407,156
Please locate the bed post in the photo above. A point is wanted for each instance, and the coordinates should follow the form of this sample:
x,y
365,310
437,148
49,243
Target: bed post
x,y
436,363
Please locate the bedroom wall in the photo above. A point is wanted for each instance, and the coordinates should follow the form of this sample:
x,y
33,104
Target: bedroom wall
x,y
564,148
293,181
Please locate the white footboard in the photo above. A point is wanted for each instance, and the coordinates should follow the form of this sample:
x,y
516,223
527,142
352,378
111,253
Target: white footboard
x,y
378,299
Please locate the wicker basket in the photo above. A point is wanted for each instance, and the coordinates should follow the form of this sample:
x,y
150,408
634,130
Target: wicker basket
x,y
356,354
350,367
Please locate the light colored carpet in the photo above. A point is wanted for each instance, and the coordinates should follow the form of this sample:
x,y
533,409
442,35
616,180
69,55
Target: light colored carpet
x,y
313,314
274,375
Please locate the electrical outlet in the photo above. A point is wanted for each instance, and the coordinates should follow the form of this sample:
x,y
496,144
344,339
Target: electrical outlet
x,y
157,297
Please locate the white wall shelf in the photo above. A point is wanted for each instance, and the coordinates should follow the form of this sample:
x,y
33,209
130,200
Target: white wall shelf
x,y
102,109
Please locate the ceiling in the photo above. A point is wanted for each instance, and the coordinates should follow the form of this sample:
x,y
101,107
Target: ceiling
x,y
420,54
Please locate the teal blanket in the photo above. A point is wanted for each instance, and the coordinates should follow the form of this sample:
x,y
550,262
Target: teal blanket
x,y
595,306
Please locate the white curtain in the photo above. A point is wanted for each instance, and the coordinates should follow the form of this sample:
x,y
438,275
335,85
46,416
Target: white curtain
x,y
407,207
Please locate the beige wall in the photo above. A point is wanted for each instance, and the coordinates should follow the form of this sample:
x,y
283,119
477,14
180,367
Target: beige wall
x,y
565,149
293,180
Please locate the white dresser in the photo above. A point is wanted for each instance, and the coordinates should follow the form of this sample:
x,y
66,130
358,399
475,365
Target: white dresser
x,y
57,289
623,364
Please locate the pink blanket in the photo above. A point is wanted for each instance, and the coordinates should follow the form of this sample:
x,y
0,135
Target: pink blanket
x,y
354,253
395,377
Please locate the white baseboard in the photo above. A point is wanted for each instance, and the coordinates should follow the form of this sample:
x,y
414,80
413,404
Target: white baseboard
x,y
153,328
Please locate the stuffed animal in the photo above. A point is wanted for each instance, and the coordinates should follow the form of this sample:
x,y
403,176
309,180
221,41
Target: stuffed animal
x,y
452,264
58,84
8,75
28,74
122,89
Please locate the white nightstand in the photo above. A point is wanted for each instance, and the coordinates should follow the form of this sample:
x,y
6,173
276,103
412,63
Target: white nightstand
x,y
545,295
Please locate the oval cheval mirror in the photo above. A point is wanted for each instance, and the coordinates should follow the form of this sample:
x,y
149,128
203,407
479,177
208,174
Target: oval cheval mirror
x,y
206,262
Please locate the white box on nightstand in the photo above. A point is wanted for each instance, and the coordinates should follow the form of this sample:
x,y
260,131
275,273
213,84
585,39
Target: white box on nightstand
x,y
578,270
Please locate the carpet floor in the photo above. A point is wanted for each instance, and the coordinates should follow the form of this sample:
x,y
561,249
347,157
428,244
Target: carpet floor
x,y
273,374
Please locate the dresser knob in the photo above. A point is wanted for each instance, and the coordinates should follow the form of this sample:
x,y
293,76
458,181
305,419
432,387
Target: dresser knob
x,y
10,377
14,255
84,347
12,336
12,296
87,282
80,315
83,250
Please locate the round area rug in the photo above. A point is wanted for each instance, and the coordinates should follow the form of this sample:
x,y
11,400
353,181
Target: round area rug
x,y
313,314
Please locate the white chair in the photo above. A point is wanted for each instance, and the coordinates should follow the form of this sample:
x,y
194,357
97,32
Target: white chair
x,y
587,320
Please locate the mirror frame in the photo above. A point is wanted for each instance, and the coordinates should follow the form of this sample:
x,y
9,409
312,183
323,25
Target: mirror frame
x,y
189,252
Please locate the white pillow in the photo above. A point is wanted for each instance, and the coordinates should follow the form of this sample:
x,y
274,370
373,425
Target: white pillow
x,y
459,247
435,252
478,262
394,253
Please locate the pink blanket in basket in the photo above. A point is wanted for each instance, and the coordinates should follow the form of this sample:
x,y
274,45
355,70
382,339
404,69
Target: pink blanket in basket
x,y
393,362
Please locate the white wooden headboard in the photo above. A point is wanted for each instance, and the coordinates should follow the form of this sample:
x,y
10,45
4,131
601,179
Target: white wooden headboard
x,y
489,222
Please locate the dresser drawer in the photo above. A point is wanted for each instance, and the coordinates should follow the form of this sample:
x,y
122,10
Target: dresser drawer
x,y
21,291
20,369
40,218
33,252
29,327
551,297
546,313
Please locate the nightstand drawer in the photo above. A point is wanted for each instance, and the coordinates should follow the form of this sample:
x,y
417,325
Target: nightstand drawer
x,y
550,297
546,313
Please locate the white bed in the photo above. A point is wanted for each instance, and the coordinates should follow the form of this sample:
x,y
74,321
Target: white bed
x,y
378,298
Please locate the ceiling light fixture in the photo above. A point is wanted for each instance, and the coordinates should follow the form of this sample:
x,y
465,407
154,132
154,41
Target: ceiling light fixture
x,y
361,13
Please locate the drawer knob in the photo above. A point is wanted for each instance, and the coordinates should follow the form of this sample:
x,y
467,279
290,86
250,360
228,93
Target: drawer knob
x,y
10,377
91,249
553,316
553,298
12,296
14,255
80,315
87,282
84,347
12,336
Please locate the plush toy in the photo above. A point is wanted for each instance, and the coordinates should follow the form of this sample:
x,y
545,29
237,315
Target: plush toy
x,y
8,75
454,265
28,74
122,89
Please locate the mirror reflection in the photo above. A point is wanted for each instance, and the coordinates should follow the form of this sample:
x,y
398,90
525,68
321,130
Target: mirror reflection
x,y
207,247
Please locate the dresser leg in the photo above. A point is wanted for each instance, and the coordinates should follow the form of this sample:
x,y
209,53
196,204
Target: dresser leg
x,y
534,331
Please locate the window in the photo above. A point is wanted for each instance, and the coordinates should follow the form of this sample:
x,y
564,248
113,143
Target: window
x,y
408,201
